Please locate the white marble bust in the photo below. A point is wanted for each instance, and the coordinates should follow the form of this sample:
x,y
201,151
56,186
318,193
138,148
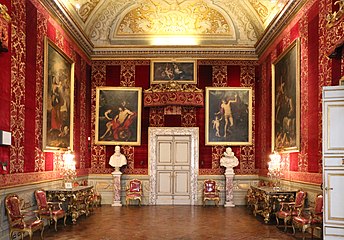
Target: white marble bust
x,y
229,161
117,159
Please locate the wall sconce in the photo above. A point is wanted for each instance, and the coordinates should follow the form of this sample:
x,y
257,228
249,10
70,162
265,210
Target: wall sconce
x,y
275,169
5,19
68,169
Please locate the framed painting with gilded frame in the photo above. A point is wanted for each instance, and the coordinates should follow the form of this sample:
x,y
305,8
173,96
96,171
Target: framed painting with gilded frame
x,y
286,100
181,71
58,99
118,116
228,116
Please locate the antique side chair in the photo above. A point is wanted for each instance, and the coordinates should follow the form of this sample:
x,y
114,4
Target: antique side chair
x,y
49,210
134,191
211,192
290,209
21,221
310,217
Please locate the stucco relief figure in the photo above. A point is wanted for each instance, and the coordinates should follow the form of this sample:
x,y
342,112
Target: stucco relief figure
x,y
117,159
229,161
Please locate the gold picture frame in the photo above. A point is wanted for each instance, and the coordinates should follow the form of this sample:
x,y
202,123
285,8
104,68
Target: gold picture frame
x,y
180,71
228,116
58,99
118,116
286,100
341,81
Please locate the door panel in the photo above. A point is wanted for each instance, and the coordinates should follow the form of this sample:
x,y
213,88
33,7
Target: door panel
x,y
165,151
164,182
182,153
182,183
334,197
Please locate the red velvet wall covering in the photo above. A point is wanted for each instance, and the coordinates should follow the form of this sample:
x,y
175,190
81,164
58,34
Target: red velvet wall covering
x,y
316,71
21,81
21,84
110,73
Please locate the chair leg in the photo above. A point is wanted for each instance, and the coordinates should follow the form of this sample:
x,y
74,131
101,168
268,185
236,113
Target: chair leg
x,y
293,228
285,224
55,225
64,220
42,232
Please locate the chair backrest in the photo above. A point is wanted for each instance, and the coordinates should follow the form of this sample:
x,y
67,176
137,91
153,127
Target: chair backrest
x,y
300,198
41,199
12,204
318,207
209,186
135,185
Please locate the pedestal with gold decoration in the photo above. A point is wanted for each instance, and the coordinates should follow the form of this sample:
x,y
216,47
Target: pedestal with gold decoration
x,y
116,175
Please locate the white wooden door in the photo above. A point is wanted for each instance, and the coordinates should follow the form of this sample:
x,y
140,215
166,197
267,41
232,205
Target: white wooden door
x,y
333,162
173,170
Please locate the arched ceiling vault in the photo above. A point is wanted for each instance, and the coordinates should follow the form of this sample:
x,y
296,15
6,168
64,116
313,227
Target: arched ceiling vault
x,y
179,28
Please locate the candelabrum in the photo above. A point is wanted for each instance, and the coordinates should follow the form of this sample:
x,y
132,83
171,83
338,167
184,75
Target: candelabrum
x,y
275,170
68,169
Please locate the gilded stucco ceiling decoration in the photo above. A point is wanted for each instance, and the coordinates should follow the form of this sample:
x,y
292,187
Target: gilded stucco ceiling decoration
x,y
129,27
183,18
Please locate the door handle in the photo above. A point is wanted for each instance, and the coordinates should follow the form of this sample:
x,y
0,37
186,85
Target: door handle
x,y
328,189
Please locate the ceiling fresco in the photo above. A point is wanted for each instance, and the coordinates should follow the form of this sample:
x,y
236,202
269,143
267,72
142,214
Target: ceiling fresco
x,y
231,27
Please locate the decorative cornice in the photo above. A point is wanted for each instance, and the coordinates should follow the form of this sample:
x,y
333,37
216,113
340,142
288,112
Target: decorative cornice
x,y
277,25
69,25
175,52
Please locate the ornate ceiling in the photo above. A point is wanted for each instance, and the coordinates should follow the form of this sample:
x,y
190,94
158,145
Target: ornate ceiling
x,y
154,28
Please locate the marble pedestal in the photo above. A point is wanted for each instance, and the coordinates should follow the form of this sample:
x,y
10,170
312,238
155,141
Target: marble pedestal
x,y
116,175
229,190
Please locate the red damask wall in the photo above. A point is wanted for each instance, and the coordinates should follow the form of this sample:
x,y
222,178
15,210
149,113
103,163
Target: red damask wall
x,y
136,73
21,83
317,70
21,111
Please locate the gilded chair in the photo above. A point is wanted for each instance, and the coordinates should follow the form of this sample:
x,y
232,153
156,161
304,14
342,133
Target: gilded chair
x,y
290,209
210,192
21,221
49,210
134,191
309,217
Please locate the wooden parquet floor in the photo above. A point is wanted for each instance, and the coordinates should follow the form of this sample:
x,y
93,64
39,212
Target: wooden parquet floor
x,y
168,222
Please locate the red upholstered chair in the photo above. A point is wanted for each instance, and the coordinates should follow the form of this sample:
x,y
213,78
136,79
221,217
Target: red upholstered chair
x,y
291,209
134,191
309,217
49,210
21,221
210,192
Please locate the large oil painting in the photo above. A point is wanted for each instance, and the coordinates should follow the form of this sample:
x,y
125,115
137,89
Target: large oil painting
x,y
286,100
228,116
57,99
181,71
118,116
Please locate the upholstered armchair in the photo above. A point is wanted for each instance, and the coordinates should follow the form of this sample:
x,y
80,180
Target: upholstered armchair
x,y
134,191
309,217
20,221
291,209
211,192
49,210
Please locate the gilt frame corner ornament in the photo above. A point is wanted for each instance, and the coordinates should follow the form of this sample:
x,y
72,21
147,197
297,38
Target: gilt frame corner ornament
x,y
58,99
286,100
179,71
228,116
5,20
118,116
